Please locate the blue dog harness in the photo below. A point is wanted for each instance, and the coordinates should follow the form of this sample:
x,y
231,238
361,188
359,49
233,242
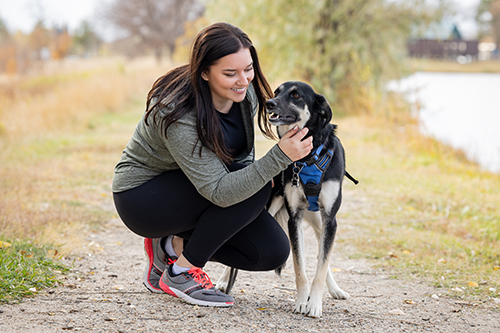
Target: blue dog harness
x,y
310,174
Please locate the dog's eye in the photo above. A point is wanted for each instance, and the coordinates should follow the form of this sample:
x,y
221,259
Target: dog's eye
x,y
295,95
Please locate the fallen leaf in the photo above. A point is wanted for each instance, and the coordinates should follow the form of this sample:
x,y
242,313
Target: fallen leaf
x,y
473,284
119,287
109,319
4,245
337,270
261,309
496,268
409,301
406,252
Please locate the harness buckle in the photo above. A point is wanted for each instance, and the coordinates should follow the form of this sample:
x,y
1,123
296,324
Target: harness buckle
x,y
297,167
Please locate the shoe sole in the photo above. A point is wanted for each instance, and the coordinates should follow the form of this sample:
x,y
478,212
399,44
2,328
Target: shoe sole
x,y
148,249
188,299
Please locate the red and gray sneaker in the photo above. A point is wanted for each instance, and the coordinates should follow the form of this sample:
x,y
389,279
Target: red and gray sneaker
x,y
157,260
194,287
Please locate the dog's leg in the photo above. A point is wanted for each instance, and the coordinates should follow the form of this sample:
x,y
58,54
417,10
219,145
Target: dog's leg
x,y
227,279
325,232
296,235
333,288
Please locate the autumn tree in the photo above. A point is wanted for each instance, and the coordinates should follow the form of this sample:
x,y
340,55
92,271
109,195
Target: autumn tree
x,y
60,42
39,41
153,24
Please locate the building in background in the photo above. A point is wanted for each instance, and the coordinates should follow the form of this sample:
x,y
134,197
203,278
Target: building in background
x,y
444,41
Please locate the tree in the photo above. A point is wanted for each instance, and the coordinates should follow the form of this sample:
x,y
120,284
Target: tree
x,y
488,18
154,24
85,40
347,49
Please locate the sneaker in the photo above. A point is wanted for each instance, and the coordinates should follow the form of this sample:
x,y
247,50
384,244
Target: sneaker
x,y
157,260
194,287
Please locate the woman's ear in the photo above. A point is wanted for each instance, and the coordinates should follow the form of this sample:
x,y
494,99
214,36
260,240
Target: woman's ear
x,y
204,76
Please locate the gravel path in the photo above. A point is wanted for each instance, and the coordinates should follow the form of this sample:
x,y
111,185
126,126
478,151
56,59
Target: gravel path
x,y
104,293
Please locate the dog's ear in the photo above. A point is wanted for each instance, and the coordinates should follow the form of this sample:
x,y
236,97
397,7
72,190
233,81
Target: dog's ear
x,y
322,107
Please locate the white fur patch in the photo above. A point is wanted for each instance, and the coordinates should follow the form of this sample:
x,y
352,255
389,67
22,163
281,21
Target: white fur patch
x,y
329,193
296,197
304,118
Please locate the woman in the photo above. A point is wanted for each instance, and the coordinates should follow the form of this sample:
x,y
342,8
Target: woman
x,y
187,180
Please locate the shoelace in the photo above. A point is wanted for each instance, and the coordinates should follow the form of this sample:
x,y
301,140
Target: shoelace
x,y
170,261
201,277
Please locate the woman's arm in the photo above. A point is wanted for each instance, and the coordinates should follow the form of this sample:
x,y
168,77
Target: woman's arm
x,y
209,174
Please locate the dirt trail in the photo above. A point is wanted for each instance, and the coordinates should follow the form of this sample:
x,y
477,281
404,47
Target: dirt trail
x,y
104,294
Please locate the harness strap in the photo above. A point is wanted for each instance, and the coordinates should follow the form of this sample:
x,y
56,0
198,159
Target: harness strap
x,y
311,175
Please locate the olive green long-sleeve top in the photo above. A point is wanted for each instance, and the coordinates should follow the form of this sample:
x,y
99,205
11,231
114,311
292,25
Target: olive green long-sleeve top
x,y
149,154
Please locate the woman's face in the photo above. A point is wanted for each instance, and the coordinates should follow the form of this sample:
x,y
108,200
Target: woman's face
x,y
229,79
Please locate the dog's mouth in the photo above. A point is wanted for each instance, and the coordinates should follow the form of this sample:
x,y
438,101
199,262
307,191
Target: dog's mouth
x,y
279,119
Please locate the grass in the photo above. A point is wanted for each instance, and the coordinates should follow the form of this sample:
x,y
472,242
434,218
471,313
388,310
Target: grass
x,y
433,65
433,214
62,133
428,214
27,268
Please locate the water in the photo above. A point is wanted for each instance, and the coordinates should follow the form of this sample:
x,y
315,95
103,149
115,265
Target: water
x,y
459,109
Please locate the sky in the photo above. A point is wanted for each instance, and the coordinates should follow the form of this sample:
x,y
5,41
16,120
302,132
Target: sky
x,y
22,14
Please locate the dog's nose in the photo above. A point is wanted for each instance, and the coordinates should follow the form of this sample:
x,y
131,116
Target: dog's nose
x,y
271,104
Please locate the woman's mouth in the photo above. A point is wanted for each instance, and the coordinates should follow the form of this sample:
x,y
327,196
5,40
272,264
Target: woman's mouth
x,y
238,89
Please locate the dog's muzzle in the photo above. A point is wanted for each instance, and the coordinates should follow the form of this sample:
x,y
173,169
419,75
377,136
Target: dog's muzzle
x,y
276,116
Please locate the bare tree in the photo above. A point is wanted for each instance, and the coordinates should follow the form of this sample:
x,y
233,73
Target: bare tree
x,y
154,24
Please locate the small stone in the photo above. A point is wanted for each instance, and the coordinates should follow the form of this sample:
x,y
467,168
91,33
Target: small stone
x,y
434,296
397,312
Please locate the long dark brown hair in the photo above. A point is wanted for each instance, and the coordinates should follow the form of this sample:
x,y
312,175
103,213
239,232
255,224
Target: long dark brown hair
x,y
184,89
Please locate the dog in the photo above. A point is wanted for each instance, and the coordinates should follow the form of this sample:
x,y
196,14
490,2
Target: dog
x,y
310,189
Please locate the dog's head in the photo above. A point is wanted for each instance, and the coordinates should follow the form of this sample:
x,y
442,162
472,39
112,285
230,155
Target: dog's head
x,y
296,103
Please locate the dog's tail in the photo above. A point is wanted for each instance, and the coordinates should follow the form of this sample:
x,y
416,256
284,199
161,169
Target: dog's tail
x,y
351,178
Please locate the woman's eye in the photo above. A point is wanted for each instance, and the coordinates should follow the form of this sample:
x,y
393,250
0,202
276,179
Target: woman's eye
x,y
230,75
249,69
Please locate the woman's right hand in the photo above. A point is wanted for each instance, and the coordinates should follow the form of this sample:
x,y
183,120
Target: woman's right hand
x,y
292,145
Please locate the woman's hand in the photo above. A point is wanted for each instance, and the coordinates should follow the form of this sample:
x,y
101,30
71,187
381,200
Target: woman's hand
x,y
293,146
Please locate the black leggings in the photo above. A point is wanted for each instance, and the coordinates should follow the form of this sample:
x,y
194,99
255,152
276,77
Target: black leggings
x,y
243,236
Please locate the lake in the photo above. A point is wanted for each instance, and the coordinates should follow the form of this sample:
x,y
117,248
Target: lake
x,y
459,109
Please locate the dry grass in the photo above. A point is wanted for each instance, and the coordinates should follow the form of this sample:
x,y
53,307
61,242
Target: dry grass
x,y
63,134
433,215
431,65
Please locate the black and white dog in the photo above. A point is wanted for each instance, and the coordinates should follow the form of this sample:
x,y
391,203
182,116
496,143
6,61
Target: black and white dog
x,y
310,189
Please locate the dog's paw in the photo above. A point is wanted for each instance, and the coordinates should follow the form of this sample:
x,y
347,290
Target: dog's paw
x,y
314,306
339,294
314,311
300,307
